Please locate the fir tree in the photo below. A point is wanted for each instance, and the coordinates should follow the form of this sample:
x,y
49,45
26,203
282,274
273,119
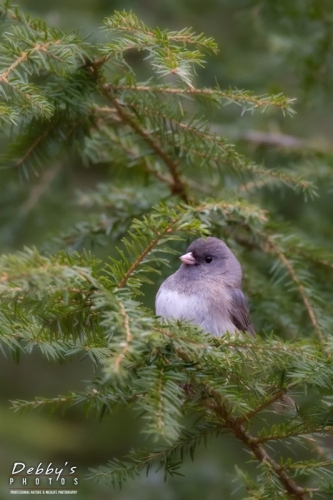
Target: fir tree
x,y
171,179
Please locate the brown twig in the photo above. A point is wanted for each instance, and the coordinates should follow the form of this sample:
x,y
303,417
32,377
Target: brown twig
x,y
177,187
24,56
251,442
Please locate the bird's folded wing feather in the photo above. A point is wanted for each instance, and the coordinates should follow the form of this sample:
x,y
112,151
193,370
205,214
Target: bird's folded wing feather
x,y
239,311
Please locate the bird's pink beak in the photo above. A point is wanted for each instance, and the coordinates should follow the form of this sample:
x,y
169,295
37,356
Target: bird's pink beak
x,y
188,259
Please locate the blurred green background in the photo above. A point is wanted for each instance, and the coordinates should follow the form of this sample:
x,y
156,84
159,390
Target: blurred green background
x,y
265,46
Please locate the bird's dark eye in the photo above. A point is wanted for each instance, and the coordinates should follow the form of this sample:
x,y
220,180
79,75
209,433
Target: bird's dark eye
x,y
209,259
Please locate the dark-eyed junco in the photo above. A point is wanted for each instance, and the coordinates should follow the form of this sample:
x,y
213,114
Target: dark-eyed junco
x,y
206,290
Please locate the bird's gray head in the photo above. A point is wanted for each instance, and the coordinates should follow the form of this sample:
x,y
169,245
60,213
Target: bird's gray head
x,y
211,258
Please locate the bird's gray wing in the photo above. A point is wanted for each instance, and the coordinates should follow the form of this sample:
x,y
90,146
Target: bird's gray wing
x,y
239,311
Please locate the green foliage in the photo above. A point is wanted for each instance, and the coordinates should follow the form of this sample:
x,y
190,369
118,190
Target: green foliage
x,y
171,179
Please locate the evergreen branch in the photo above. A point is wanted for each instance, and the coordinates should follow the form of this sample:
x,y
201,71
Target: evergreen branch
x,y
266,345
186,217
310,465
299,432
239,97
178,186
161,404
167,51
129,23
168,180
4,75
38,403
240,163
246,210
314,254
257,449
248,213
145,161
128,339
153,243
19,17
30,270
9,115
39,105
274,248
208,148
30,151
95,398
24,57
279,395
269,246
39,143
117,472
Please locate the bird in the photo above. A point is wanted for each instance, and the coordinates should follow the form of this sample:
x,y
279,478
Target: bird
x,y
206,290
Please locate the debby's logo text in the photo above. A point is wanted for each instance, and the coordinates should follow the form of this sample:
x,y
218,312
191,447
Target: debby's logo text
x,y
43,479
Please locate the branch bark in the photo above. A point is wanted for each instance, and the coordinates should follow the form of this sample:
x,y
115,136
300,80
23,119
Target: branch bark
x,y
259,452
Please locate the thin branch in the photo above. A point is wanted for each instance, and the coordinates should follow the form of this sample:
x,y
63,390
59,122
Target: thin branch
x,y
256,184
39,189
15,15
260,213
33,146
314,258
272,247
235,426
235,162
224,94
208,206
24,57
160,404
298,433
42,136
273,139
269,246
269,401
145,252
189,39
165,178
4,75
251,442
229,156
172,120
161,456
178,186
128,340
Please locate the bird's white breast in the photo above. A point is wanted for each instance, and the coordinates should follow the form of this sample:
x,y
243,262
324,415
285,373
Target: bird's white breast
x,y
171,304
